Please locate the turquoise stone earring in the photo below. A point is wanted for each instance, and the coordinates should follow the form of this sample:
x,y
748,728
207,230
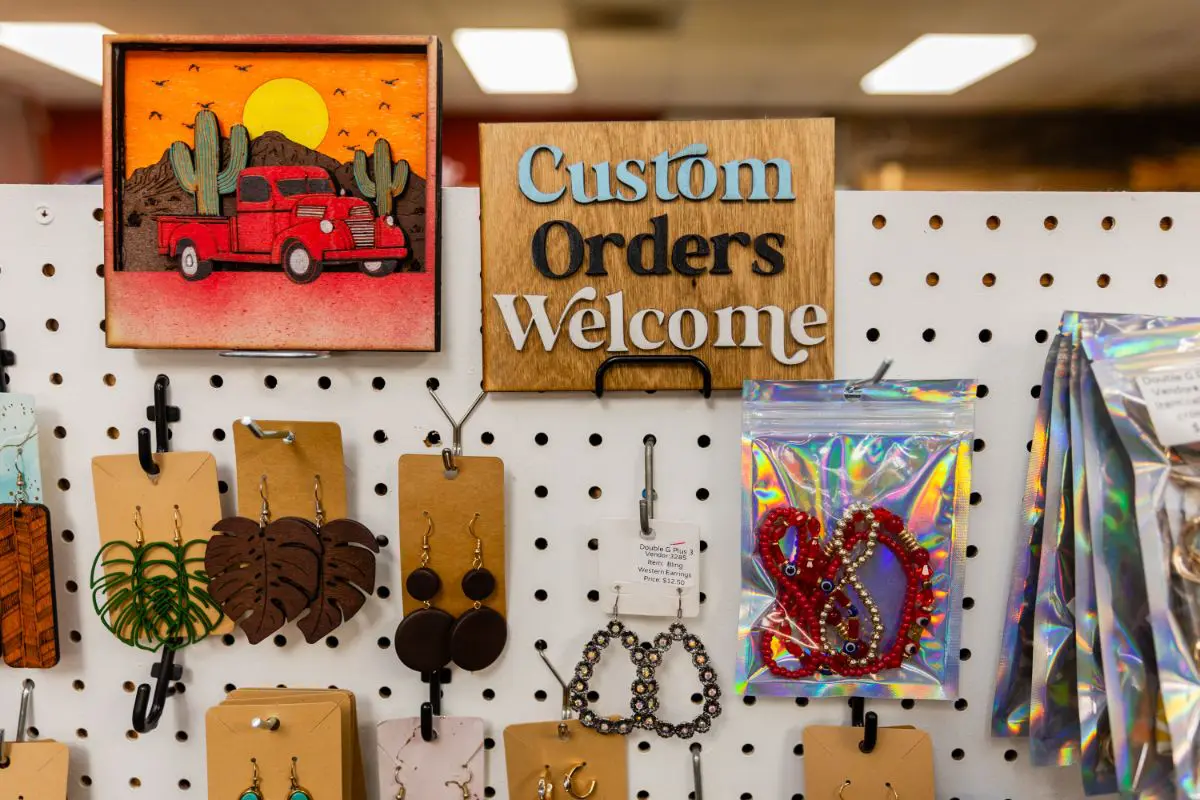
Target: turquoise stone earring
x,y
297,792
252,793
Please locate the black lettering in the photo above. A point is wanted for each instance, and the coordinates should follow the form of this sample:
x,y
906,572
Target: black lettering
x,y
574,252
764,250
633,255
720,244
595,246
682,252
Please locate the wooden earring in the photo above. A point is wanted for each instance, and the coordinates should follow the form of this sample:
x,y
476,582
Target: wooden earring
x,y
422,638
479,635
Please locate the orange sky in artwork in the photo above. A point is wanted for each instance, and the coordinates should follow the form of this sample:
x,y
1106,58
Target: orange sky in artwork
x,y
367,80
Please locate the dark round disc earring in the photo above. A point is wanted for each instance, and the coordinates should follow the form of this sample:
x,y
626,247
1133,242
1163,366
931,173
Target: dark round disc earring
x,y
479,635
422,638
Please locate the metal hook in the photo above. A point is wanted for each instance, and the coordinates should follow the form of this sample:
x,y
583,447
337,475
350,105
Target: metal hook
x,y
265,723
646,504
146,456
288,437
23,713
563,732
456,426
696,771
854,389
165,671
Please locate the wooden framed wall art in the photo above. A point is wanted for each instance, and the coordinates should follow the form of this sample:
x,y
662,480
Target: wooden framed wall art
x,y
272,193
708,240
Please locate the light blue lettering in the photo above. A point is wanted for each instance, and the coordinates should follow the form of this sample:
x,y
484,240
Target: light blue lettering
x,y
626,178
758,179
525,174
578,174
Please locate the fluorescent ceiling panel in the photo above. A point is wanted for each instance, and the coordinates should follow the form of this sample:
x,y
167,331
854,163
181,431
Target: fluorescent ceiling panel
x,y
517,60
939,63
73,47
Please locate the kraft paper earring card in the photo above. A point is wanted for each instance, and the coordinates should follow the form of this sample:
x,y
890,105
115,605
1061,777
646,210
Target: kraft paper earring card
x,y
272,193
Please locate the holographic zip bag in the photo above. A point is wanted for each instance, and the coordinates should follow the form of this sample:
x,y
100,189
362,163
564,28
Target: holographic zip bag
x,y
854,527
1014,675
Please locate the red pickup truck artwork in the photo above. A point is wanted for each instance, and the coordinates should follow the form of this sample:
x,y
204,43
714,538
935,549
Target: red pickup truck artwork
x,y
287,216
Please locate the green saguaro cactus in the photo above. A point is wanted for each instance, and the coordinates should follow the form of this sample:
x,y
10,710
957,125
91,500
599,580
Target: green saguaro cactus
x,y
388,182
199,175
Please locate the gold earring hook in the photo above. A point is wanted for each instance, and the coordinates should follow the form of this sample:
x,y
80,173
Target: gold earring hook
x,y
425,539
466,793
320,512
137,523
264,512
842,788
892,789
254,778
178,527
568,783
478,560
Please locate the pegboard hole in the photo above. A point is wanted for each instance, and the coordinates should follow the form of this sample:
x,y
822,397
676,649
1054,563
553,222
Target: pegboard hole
x,y
1010,755
1050,222
487,437
60,432
229,687
489,791
64,485
489,694
216,381
1041,336
324,382
593,544
968,603
595,492
135,782
798,750
381,489
964,654
541,491
1166,223
595,440
99,270
644,746
81,733
872,334
958,754
113,433
280,640
540,695
78,685
131,735
56,379
876,278
960,704
181,736
908,703
749,700
1160,281
270,381
540,595
643,795
331,642
748,749
703,440
935,222
380,437
185,784
993,222
593,596
976,498
985,336
1103,280
85,780
932,279
972,551
109,379
377,383
879,221
383,592
541,439
432,439
32,732
989,279
929,334
1108,223
383,642
1047,280
68,535
1035,391
75,636
433,384
703,545
540,543
802,701
48,270
979,445
52,325
218,434
385,692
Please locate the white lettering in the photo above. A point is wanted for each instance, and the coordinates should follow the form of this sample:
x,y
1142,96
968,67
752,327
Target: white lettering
x,y
583,320
637,329
538,317
699,328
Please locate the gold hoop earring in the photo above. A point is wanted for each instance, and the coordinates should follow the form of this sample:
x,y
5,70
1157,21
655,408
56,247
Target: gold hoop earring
x,y
842,788
892,789
545,785
462,786
568,783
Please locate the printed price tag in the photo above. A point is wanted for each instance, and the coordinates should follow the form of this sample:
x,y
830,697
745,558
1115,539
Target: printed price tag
x,y
1173,401
650,576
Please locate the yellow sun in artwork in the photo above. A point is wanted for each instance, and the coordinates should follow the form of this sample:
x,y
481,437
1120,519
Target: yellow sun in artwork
x,y
289,106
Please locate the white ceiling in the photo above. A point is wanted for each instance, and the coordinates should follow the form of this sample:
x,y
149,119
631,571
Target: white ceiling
x,y
721,57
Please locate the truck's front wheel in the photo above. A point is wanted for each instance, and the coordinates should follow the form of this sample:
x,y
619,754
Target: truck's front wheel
x,y
190,265
298,263
379,269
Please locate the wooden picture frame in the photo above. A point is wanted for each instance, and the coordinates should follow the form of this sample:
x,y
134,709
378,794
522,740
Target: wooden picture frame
x,y
311,257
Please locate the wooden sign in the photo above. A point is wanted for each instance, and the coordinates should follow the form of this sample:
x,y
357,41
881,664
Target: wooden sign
x,y
705,239
272,193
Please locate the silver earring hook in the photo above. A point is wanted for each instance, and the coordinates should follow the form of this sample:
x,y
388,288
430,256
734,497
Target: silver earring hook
x,y
646,504
616,598
679,607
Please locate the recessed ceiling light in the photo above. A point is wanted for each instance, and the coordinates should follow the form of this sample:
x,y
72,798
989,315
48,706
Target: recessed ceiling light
x,y
518,60
74,47
946,63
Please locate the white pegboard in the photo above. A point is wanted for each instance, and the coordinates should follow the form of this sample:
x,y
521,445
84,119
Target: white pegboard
x,y
48,271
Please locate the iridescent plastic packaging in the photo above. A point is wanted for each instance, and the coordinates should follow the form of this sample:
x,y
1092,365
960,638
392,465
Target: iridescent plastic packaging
x,y
1053,713
1014,675
1150,381
855,498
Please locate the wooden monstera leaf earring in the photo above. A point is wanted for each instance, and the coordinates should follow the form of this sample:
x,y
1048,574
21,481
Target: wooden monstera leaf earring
x,y
423,637
481,632
264,574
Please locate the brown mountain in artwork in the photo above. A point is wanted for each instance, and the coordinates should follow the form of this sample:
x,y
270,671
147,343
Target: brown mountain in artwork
x,y
152,191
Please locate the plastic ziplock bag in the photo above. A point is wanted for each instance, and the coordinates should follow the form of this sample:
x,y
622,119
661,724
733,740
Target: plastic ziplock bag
x,y
1014,675
855,499
1053,713
1166,504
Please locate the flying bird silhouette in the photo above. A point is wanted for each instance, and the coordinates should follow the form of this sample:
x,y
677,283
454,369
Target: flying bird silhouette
x,y
391,82
351,147
193,67
160,84
242,67
191,126
155,115
385,106
418,115
343,132
372,132
339,90
207,106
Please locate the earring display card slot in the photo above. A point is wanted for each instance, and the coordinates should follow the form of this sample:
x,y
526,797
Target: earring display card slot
x,y
185,480
529,748
353,783
291,469
35,771
478,489
903,757
425,767
311,733
28,615
19,458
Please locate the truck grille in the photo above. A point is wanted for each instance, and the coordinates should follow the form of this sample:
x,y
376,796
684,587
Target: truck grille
x,y
363,231
360,211
310,211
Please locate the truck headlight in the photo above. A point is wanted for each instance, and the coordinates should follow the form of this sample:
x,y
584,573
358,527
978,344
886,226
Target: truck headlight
x,y
390,220
326,226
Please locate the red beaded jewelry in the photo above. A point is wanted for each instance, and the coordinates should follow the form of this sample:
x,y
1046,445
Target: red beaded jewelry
x,y
813,593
